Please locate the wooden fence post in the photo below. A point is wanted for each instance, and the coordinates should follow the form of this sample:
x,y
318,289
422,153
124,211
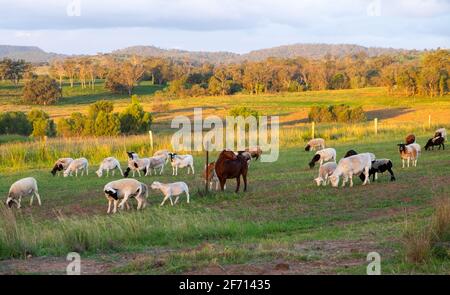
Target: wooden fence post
x,y
150,133
313,126
376,125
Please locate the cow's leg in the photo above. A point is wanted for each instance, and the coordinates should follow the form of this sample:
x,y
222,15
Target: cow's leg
x,y
238,182
244,176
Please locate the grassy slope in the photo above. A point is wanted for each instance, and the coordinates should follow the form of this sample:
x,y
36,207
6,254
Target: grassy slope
x,y
283,217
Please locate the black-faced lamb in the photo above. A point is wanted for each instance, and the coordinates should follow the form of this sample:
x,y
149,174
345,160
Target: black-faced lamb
x,y
315,143
171,190
76,165
23,188
124,189
436,141
60,165
325,155
181,161
409,153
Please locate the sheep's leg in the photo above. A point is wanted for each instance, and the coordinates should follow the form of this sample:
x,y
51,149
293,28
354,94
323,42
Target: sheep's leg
x,y
238,183
107,172
76,172
176,170
375,176
192,167
120,170
244,177
188,170
409,159
31,200
392,174
403,163
162,169
127,205
344,180
116,202
351,180
20,203
38,198
187,196
366,174
113,172
165,199
109,206
125,200
176,199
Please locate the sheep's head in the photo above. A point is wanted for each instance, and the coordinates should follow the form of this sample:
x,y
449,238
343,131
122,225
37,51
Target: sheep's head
x,y
350,153
307,148
156,185
99,172
334,179
401,147
110,192
172,156
10,201
131,155
314,160
318,181
66,173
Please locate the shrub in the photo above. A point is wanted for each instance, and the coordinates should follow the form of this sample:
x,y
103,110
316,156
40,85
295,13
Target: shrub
x,y
42,124
336,113
134,119
41,90
244,112
73,126
15,123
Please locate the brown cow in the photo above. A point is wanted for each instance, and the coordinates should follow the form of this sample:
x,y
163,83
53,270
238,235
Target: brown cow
x,y
229,166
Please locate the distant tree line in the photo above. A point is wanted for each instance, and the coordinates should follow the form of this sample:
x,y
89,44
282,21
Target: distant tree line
x,y
100,121
401,74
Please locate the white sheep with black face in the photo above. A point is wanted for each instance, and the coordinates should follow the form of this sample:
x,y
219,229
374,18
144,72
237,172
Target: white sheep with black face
x,y
409,153
181,161
315,144
171,190
353,165
124,189
76,165
108,164
60,165
322,156
23,188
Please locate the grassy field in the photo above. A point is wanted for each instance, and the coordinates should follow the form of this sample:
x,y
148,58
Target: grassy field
x,y
284,224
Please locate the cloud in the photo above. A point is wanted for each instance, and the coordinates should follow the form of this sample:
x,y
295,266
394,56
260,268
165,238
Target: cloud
x,y
202,15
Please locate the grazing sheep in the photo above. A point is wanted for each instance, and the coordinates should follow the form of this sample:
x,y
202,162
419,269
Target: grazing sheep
x,y
441,132
411,138
181,161
157,162
23,188
60,165
107,164
255,152
379,166
353,165
436,141
324,172
131,157
76,165
171,190
162,154
409,153
124,189
324,155
316,143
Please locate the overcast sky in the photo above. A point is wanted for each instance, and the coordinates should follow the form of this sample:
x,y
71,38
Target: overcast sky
x,y
82,26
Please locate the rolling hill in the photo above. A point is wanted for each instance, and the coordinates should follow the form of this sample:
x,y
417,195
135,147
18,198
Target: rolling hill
x,y
36,55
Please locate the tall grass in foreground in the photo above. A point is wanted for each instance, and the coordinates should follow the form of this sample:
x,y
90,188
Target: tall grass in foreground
x,y
421,243
42,154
